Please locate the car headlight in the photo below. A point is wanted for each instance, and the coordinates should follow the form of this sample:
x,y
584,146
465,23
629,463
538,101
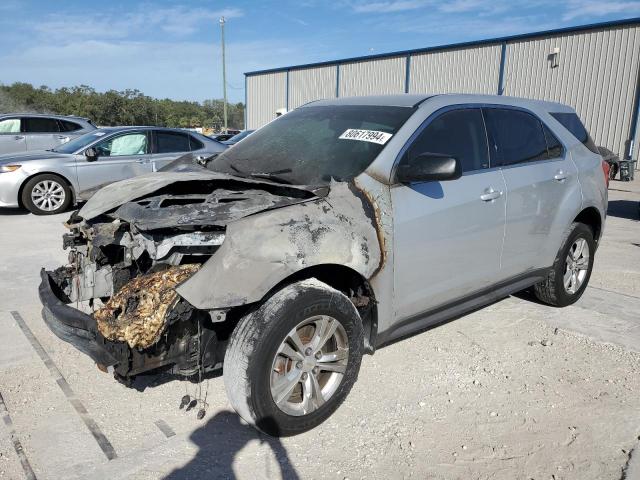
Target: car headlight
x,y
9,168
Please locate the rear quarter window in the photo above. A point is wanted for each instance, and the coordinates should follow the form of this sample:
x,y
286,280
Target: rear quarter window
x,y
67,126
572,122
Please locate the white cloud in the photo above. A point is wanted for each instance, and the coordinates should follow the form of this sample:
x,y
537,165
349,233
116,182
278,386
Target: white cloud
x,y
387,6
598,8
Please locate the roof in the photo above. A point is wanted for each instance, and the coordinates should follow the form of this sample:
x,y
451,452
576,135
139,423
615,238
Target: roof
x,y
413,100
496,40
398,100
43,115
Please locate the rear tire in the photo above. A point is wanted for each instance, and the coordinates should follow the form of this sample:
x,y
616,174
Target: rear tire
x,y
283,386
571,269
46,194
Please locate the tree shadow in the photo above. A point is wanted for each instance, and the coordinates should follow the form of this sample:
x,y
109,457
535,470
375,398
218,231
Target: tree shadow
x,y
220,441
628,209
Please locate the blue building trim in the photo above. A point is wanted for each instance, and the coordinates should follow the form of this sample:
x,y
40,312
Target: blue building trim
x,y
503,58
287,93
337,80
632,142
407,74
489,41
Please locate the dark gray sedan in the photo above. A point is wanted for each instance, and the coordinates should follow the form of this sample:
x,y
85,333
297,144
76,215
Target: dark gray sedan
x,y
47,182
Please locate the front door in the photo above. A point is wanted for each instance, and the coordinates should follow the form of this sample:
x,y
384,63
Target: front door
x,y
448,235
120,156
11,138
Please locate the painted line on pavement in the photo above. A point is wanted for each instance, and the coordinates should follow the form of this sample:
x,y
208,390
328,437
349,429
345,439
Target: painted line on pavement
x,y
24,461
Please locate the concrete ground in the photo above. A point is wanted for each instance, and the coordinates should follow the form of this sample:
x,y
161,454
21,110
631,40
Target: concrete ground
x,y
516,390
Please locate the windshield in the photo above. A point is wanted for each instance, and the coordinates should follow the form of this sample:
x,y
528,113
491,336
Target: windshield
x,y
312,145
80,142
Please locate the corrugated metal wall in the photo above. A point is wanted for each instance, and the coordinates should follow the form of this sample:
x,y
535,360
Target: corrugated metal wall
x,y
596,74
265,94
311,84
373,77
467,70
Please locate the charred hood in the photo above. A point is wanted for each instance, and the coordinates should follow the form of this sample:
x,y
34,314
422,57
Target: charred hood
x,y
188,199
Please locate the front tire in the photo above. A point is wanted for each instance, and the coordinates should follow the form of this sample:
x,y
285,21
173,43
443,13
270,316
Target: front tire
x,y
292,362
46,195
571,270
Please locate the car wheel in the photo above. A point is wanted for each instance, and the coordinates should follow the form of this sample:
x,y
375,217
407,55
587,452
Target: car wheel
x,y
571,269
292,362
46,195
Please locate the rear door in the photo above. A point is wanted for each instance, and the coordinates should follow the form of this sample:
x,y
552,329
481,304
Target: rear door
x,y
121,156
11,137
167,146
69,130
42,133
448,235
542,185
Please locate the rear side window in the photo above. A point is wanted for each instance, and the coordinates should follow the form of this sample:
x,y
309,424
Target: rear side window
x,y
571,122
171,142
40,125
517,136
195,143
67,126
554,146
459,134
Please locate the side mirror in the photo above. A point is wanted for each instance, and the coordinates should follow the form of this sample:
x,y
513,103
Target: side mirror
x,y
91,154
428,167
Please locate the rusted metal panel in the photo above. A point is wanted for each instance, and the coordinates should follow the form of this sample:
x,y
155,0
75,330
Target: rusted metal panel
x,y
373,77
311,84
265,94
467,70
595,72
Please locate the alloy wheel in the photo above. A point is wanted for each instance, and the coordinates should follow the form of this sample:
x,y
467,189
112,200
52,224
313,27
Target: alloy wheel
x,y
309,365
576,266
48,195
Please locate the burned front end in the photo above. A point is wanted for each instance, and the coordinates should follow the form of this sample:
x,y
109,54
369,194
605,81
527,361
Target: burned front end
x,y
116,299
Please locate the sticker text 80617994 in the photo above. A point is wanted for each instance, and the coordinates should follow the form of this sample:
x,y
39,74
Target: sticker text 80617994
x,y
372,136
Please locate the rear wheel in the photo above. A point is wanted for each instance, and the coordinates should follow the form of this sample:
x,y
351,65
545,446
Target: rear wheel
x,y
571,269
291,363
46,195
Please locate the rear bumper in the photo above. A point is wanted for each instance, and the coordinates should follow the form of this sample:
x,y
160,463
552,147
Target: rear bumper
x,y
71,325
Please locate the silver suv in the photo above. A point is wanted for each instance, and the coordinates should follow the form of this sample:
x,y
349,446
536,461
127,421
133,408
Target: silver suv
x,y
21,132
334,230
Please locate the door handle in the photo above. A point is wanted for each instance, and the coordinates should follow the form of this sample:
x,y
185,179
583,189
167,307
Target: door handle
x,y
62,137
143,160
490,195
560,176
18,137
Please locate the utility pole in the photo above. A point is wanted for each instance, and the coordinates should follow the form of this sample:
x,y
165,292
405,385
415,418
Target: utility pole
x,y
224,75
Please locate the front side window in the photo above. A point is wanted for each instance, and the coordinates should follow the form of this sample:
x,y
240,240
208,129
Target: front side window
x,y
311,145
10,125
171,142
518,136
122,145
572,122
40,125
459,134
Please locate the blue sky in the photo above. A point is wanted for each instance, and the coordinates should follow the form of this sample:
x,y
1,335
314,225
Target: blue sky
x,y
172,48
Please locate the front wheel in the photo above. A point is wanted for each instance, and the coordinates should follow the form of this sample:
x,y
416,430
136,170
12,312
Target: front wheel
x,y
46,195
571,270
292,362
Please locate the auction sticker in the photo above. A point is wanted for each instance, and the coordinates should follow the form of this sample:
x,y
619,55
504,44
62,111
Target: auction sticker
x,y
372,136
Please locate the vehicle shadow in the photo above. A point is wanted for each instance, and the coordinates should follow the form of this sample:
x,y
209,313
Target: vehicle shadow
x,y
219,443
624,209
13,211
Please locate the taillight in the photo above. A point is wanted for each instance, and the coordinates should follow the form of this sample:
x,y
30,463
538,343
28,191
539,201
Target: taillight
x,y
606,168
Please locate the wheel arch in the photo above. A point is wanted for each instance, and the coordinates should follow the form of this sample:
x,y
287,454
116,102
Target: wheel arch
x,y
591,217
26,180
350,282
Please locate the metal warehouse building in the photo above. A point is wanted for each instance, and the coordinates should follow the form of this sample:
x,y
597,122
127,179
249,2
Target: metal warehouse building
x,y
594,68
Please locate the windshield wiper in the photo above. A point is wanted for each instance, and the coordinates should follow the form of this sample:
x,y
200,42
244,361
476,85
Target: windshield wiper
x,y
275,175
